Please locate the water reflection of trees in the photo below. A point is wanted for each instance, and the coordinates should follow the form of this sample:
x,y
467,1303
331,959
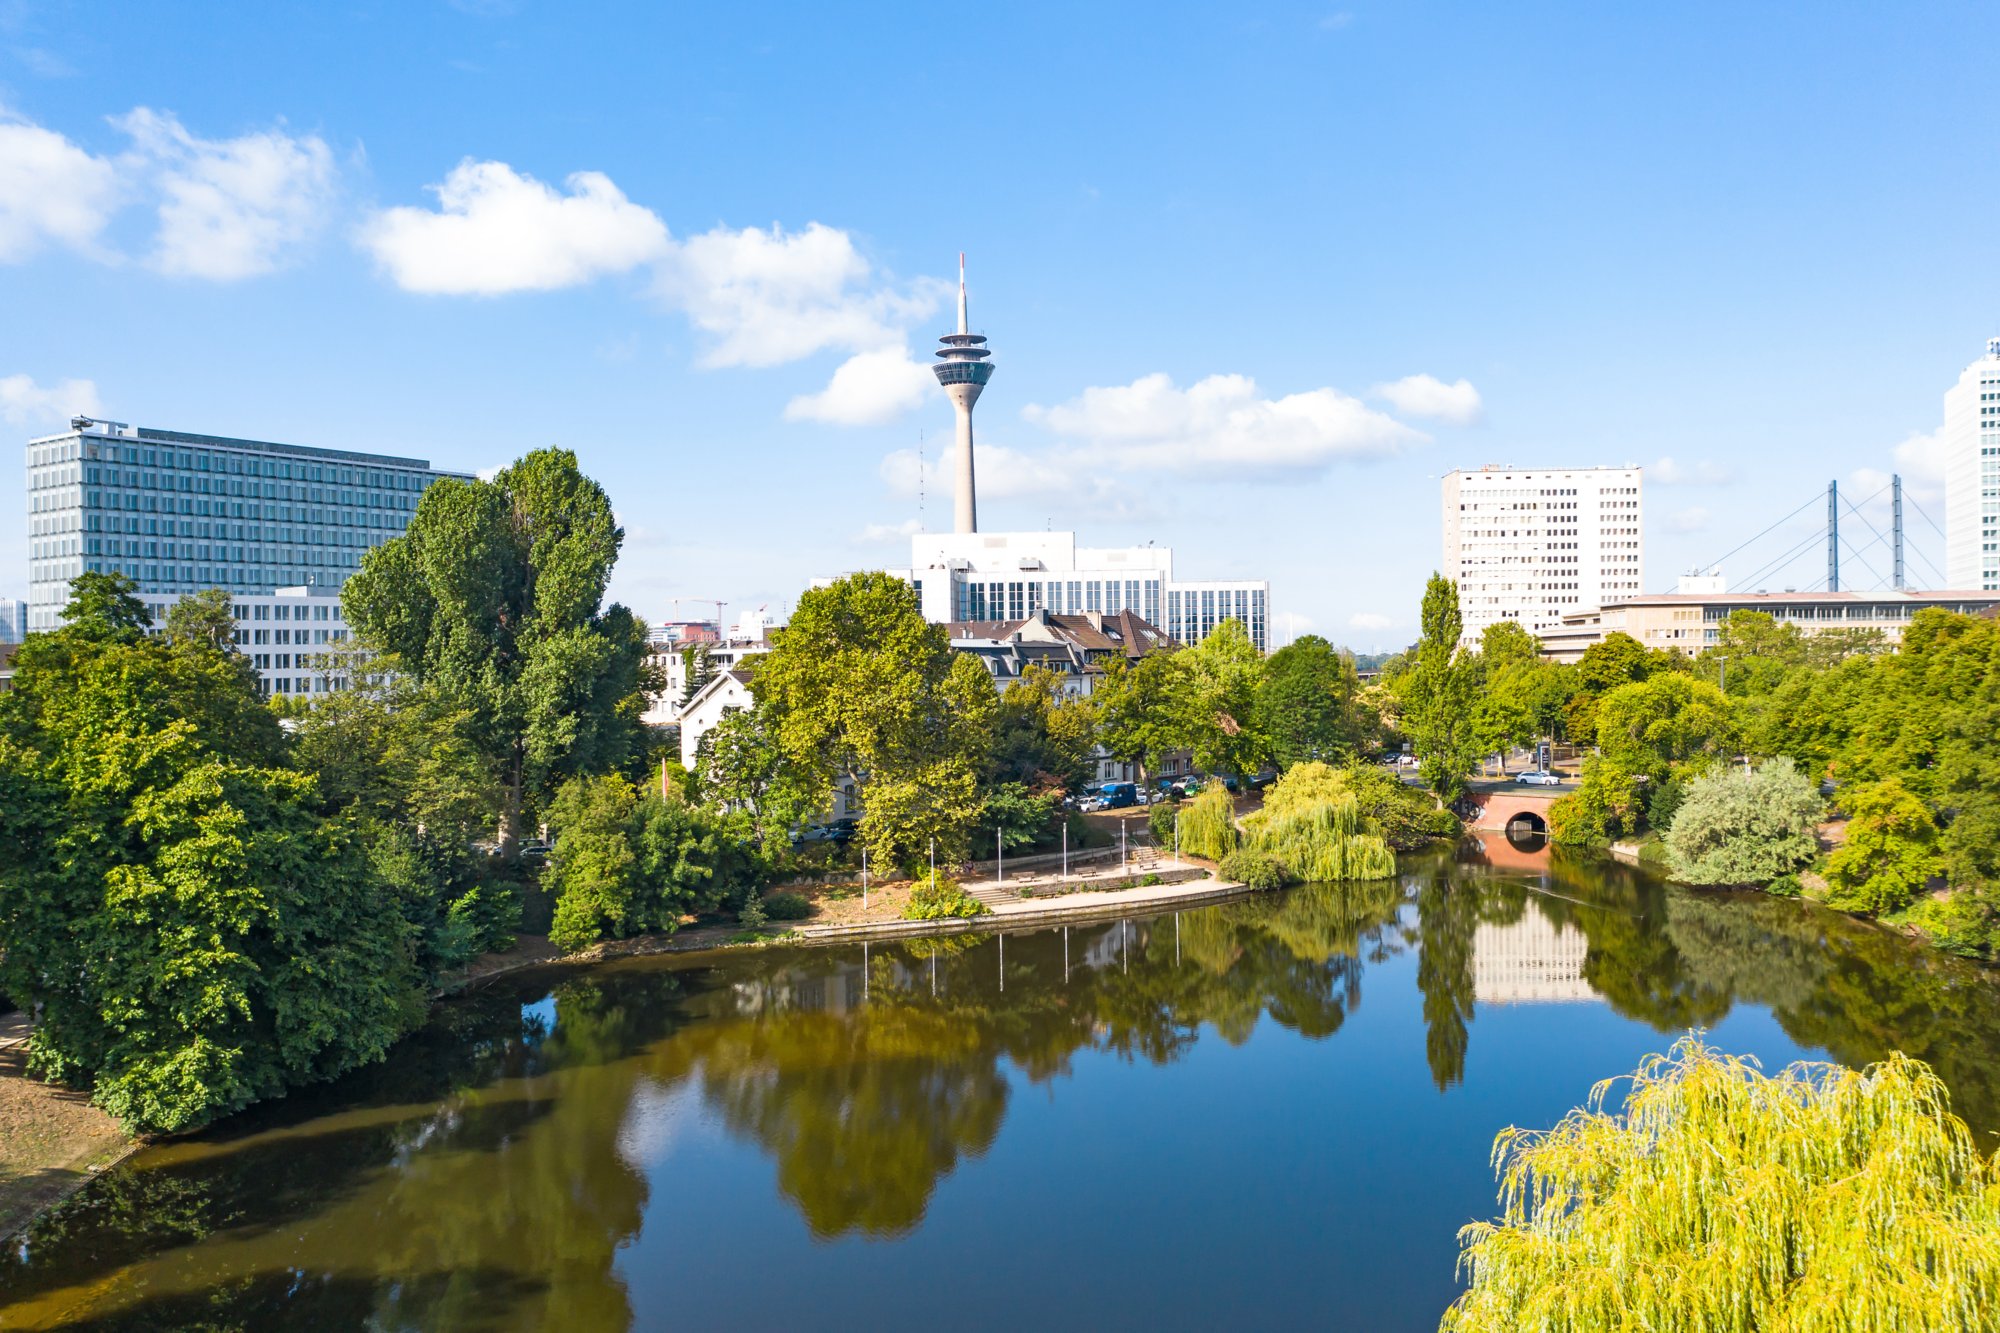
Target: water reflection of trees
x,y
486,1175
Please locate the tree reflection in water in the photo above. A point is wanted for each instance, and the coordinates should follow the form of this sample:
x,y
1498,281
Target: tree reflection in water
x,y
487,1176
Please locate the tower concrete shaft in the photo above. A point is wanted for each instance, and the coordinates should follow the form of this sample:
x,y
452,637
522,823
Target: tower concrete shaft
x,y
963,370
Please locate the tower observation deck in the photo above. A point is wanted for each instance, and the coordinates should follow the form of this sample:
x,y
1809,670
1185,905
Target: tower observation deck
x,y
963,371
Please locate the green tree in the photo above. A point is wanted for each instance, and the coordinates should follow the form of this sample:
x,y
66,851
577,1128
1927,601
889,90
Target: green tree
x,y
1312,824
1745,826
741,770
494,599
1604,806
1719,1197
1213,702
627,862
1891,850
1133,702
1044,734
1668,718
1616,659
696,669
859,689
1307,703
197,933
1439,693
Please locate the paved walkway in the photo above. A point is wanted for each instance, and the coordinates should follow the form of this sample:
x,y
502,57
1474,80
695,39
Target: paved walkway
x,y
1016,912
1041,876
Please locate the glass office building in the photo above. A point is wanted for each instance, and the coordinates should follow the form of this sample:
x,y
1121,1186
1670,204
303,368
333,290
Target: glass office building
x,y
179,512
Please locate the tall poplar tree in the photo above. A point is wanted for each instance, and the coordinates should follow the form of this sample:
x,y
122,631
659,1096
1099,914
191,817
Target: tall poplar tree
x,y
1440,695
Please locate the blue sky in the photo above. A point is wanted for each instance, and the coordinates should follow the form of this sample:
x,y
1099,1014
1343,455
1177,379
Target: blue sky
x,y
1255,275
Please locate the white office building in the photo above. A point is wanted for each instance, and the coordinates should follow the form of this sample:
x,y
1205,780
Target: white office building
x,y
1972,475
273,525
966,576
1532,545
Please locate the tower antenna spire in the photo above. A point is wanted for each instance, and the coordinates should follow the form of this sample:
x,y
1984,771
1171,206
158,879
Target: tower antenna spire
x,y
963,368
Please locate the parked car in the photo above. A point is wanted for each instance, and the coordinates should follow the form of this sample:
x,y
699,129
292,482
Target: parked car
x,y
1540,777
1408,761
1117,795
838,831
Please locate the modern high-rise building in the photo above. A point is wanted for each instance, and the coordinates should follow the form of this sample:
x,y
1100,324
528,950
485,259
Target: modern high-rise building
x,y
1533,544
13,619
963,371
1972,475
178,513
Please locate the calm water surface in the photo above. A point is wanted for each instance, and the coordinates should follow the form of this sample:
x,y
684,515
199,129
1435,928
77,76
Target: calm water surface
x,y
1272,1113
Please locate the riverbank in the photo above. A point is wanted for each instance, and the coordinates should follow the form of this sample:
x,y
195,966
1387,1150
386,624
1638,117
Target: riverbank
x,y
847,919
54,1139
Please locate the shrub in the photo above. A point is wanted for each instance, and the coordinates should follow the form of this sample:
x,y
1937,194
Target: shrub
x,y
935,898
1722,1198
787,907
1785,886
1160,821
1604,806
1208,825
1891,850
1745,826
1256,869
1956,923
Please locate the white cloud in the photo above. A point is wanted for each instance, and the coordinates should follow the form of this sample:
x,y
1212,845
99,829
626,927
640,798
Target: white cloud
x,y
1921,460
1003,474
868,389
51,192
1369,620
768,297
1692,519
1219,424
498,231
1671,472
230,208
1457,404
25,403
876,534
762,296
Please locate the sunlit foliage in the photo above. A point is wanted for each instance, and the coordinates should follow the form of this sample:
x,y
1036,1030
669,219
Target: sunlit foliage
x,y
1719,1198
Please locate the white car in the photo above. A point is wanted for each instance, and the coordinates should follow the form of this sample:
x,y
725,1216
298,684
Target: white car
x,y
1540,777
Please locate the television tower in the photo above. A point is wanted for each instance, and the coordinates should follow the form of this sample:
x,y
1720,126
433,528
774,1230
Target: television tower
x,y
963,372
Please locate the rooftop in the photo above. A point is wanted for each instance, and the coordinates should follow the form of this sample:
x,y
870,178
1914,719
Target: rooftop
x,y
91,428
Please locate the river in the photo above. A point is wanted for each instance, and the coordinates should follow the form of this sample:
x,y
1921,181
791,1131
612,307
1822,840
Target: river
x,y
1271,1113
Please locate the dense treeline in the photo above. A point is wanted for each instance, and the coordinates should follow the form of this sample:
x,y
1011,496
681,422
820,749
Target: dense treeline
x,y
1734,757
213,898
860,695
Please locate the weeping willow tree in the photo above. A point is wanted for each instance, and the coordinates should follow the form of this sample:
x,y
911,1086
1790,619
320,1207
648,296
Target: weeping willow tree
x,y
1723,1199
1208,825
1313,825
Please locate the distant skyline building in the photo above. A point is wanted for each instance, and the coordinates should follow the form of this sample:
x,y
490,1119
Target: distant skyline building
x,y
270,524
13,620
1013,575
1532,545
963,371
1972,475
1692,618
